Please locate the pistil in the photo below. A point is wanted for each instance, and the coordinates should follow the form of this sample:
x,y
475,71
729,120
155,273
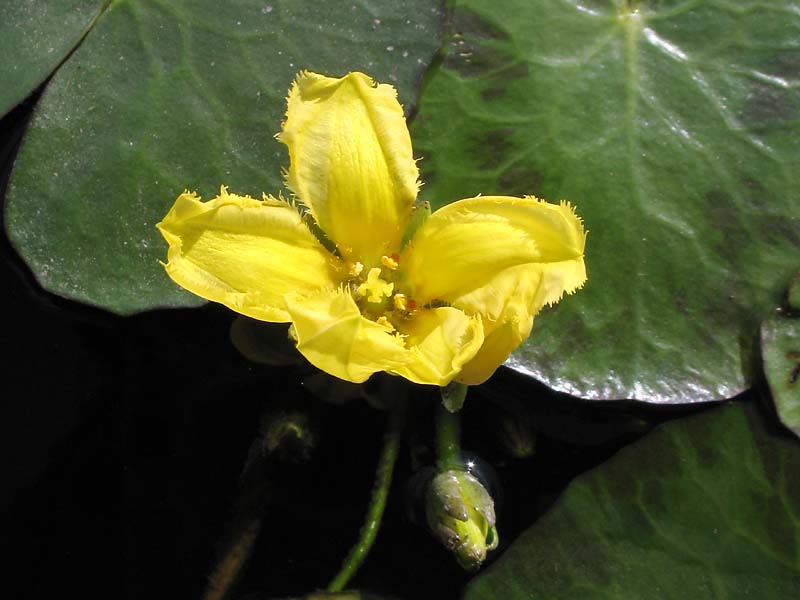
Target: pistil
x,y
375,288
377,295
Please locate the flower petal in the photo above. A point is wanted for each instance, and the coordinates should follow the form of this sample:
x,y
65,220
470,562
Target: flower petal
x,y
333,336
498,344
441,341
351,161
245,253
503,258
474,251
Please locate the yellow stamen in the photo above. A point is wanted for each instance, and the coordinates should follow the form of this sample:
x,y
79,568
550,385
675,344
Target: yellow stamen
x,y
400,301
375,287
355,268
383,321
389,262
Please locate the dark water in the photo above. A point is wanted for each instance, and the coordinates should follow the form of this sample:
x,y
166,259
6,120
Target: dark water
x,y
124,439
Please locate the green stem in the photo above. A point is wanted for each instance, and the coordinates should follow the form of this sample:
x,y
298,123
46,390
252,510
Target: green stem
x,y
448,435
380,492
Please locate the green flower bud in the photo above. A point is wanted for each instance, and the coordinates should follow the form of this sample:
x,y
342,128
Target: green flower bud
x,y
460,513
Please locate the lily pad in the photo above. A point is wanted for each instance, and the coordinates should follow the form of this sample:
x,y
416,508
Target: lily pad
x,y
162,96
35,37
780,348
674,127
703,507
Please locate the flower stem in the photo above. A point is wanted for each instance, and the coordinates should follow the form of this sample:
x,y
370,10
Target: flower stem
x,y
448,435
380,492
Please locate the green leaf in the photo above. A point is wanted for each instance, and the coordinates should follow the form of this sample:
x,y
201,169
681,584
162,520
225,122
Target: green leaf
x,y
703,507
675,130
793,295
163,96
780,340
780,349
35,37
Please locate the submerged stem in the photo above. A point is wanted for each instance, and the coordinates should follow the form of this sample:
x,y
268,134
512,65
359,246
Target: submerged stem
x,y
283,436
380,492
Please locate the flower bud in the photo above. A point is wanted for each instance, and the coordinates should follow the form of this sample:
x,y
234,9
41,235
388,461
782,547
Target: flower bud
x,y
460,513
288,435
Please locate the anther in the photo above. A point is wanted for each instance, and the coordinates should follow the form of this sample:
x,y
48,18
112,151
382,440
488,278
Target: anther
x,y
356,268
384,322
390,262
400,301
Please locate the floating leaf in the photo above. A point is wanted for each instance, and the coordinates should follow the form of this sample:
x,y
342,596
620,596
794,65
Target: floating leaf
x,y
780,340
674,128
162,96
793,295
780,348
703,507
34,38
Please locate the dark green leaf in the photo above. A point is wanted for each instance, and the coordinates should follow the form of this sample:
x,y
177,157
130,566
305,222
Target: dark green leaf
x,y
163,96
780,349
703,507
35,36
675,129
793,296
780,345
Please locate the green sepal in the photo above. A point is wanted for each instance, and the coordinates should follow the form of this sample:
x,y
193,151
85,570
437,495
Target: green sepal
x,y
419,214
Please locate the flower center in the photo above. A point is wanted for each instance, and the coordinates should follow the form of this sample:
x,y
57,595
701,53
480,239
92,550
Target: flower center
x,y
375,288
376,294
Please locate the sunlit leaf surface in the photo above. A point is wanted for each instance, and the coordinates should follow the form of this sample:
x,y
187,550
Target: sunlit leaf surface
x,y
673,127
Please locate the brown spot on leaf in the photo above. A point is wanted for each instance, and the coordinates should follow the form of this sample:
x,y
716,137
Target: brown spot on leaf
x,y
731,240
786,63
794,374
467,53
492,148
521,180
681,301
493,93
466,22
708,456
497,84
767,106
753,184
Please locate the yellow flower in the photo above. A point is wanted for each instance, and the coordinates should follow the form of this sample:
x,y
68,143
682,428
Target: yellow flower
x,y
450,304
